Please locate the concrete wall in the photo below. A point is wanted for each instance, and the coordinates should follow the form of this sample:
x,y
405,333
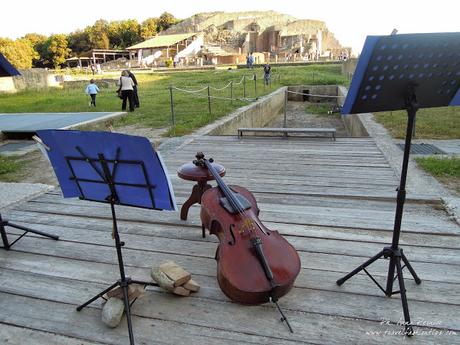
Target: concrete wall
x,y
312,89
256,114
349,66
7,84
352,122
34,78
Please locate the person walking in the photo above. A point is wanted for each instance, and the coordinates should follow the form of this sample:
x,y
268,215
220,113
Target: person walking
x,y
135,94
127,90
251,61
92,91
267,73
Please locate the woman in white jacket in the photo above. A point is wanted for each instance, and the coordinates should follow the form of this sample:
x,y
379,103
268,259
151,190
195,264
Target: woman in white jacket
x,y
127,90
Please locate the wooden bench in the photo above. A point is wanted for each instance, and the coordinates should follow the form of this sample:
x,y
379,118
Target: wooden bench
x,y
286,131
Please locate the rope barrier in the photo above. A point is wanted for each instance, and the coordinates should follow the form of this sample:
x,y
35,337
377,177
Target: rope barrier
x,y
247,99
189,91
222,88
240,82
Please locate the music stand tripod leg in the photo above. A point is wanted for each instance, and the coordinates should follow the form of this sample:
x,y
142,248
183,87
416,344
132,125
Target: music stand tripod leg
x,y
99,295
360,268
408,330
418,281
26,229
7,245
124,286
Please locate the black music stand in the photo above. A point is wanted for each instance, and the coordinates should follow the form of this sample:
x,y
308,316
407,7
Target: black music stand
x,y
96,166
403,72
6,244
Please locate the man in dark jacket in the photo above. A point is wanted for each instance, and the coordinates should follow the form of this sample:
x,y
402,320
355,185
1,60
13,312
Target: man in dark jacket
x,y
135,95
267,73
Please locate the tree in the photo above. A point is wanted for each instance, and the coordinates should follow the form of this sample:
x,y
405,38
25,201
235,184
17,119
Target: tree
x,y
124,33
99,35
20,52
57,48
149,28
37,42
165,21
79,41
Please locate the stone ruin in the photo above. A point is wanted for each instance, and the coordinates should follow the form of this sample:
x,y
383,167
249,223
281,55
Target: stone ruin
x,y
262,31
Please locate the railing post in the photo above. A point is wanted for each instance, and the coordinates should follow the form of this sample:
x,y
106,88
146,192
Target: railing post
x,y
231,92
255,86
244,86
173,117
209,99
285,107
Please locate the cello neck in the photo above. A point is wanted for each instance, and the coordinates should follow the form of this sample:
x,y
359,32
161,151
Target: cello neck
x,y
224,188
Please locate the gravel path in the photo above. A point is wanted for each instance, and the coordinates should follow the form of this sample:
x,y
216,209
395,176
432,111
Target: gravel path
x,y
297,116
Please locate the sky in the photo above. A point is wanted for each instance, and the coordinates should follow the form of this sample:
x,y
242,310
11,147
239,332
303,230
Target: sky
x,y
350,20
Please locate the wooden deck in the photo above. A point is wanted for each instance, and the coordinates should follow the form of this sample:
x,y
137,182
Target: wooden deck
x,y
334,201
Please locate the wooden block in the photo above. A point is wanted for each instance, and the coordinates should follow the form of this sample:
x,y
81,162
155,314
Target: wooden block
x,y
181,291
162,279
175,273
134,291
192,285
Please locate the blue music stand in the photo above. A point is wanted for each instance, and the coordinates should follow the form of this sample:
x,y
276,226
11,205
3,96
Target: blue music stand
x,y
403,72
111,168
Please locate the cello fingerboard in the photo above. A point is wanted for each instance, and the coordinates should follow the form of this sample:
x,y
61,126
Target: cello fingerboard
x,y
226,204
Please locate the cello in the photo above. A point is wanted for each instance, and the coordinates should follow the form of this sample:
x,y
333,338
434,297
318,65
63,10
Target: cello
x,y
255,265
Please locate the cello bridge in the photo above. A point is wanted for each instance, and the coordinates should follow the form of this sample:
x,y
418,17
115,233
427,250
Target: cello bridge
x,y
247,227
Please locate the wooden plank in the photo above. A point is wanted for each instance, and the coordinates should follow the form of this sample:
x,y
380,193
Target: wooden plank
x,y
330,131
285,129
257,321
300,300
196,264
62,318
13,335
306,216
105,273
200,248
193,232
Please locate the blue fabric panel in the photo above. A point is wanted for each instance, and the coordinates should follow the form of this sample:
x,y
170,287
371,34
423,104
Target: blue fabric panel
x,y
358,76
8,69
456,99
64,143
31,122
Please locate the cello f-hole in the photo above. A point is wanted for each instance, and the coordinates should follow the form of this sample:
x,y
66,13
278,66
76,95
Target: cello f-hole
x,y
233,240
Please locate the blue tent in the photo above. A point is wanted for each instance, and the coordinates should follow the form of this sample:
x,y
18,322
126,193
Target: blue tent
x,y
6,69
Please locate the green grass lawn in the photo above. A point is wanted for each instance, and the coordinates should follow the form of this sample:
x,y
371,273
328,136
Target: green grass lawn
x,y
446,169
9,168
431,123
191,109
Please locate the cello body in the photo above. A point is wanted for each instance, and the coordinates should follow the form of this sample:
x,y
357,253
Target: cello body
x,y
240,268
